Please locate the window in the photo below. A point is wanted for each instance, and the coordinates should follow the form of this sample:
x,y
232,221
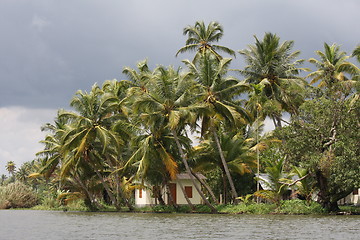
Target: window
x,y
356,191
140,193
188,191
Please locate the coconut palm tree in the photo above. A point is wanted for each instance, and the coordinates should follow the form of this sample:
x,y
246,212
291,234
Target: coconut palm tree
x,y
277,181
201,38
11,167
163,110
2,178
356,53
90,135
332,69
273,67
238,154
215,105
138,77
22,173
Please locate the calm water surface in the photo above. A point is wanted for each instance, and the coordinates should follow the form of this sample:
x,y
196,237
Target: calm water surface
x,y
27,224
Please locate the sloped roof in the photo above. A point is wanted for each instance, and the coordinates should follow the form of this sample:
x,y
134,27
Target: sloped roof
x,y
187,176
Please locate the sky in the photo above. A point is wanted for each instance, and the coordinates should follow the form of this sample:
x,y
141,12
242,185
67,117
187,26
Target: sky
x,y
49,49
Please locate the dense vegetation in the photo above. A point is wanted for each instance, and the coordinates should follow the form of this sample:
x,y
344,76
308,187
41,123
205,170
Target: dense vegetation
x,y
138,129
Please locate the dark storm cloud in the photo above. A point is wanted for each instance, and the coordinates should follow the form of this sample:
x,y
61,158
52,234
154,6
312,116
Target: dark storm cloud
x,y
49,49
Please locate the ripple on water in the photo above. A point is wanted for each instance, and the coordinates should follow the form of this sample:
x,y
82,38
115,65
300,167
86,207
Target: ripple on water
x,y
27,224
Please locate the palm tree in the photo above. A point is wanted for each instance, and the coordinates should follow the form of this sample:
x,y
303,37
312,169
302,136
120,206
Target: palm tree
x,y
138,78
3,178
201,37
356,53
238,154
11,167
89,136
272,68
162,111
215,104
332,69
277,181
23,172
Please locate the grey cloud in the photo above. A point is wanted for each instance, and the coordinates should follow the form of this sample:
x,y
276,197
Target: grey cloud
x,y
49,49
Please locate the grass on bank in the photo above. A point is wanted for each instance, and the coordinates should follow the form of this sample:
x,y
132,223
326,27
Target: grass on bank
x,y
51,203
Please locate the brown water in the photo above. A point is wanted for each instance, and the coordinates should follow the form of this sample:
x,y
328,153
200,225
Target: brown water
x,y
27,224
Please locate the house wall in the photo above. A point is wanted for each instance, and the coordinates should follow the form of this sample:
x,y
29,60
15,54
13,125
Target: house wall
x,y
180,199
353,199
146,198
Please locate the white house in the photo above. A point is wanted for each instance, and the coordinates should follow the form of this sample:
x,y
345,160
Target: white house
x,y
352,199
144,196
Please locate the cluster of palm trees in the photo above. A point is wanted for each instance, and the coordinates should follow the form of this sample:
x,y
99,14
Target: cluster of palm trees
x,y
139,128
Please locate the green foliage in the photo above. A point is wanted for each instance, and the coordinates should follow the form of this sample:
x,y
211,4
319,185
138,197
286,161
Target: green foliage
x,y
247,199
164,208
300,207
53,204
17,195
260,208
322,139
137,129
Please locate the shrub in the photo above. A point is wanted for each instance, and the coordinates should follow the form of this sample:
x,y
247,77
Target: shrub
x,y
297,206
17,195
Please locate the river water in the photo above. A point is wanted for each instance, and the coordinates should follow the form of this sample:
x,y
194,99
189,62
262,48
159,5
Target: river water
x,y
28,225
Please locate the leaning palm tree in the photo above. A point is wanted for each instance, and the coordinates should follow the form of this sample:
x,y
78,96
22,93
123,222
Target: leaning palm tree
x,y
90,136
163,110
216,101
273,70
238,153
201,38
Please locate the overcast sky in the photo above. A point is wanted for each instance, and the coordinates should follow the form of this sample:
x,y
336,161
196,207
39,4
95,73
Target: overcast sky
x,y
51,48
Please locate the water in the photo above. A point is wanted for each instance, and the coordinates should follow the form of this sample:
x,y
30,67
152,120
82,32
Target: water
x,y
28,225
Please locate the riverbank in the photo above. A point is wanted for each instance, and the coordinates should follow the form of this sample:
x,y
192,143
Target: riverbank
x,y
294,207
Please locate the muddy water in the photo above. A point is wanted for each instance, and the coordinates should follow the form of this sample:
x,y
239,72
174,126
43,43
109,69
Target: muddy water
x,y
27,224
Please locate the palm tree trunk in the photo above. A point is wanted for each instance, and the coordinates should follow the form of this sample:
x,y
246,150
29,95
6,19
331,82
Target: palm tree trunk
x,y
232,186
93,204
186,197
119,191
170,197
107,188
188,170
207,187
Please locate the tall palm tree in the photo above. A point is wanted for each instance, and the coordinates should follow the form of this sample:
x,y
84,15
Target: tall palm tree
x,y
11,167
201,38
164,107
90,135
332,69
273,67
215,104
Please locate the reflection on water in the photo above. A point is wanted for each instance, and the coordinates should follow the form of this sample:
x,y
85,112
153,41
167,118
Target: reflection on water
x,y
27,224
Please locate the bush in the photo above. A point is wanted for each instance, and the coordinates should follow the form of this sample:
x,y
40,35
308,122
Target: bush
x,y
255,208
17,195
297,206
164,208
